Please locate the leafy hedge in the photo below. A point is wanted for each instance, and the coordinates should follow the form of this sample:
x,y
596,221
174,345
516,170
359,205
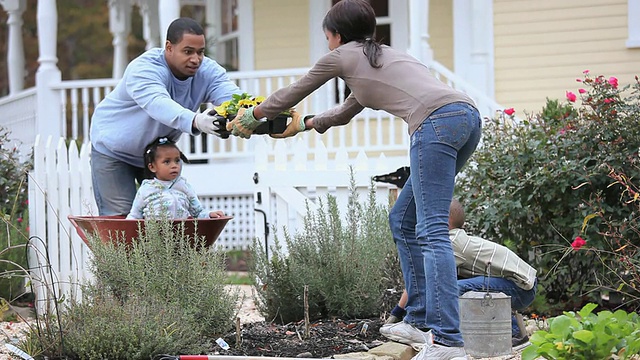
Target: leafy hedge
x,y
537,184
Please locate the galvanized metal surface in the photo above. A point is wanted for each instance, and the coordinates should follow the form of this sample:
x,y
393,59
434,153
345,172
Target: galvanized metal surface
x,y
485,323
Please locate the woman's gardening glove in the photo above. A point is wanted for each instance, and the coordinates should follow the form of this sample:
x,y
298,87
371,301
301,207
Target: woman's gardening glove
x,y
244,123
296,125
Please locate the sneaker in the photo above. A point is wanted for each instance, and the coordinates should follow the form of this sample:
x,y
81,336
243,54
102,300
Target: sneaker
x,y
439,352
518,341
407,334
392,319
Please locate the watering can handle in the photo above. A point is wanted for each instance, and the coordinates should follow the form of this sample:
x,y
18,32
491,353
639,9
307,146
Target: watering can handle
x,y
488,299
488,278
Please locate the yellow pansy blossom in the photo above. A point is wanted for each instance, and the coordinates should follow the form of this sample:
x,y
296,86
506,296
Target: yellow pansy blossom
x,y
222,108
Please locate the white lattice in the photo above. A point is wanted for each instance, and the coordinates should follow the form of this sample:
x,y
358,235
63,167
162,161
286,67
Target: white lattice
x,y
238,234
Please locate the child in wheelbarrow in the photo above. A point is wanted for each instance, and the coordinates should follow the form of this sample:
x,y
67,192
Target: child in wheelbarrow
x,y
165,193
509,274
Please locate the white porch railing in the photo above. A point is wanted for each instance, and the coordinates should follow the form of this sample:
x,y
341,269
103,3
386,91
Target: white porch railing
x,y
18,115
485,104
373,130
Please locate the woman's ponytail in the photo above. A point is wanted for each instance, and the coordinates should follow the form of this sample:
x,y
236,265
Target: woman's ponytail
x,y
372,51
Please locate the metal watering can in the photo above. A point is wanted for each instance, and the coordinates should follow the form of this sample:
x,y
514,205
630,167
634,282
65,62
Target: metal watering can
x,y
485,323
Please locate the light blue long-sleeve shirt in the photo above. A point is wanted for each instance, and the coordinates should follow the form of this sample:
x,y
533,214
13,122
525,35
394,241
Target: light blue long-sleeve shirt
x,y
150,102
159,198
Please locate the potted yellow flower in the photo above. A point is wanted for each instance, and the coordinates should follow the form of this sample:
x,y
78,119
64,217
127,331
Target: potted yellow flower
x,y
227,111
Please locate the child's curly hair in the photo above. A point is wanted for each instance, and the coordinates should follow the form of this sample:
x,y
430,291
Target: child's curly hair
x,y
151,150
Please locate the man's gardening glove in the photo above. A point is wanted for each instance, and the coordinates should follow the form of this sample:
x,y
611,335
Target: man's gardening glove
x,y
244,123
206,123
295,126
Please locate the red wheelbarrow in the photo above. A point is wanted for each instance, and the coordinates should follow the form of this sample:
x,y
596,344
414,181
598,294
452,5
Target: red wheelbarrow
x,y
109,228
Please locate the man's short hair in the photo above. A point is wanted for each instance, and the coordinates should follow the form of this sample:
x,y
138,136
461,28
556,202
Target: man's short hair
x,y
456,214
180,26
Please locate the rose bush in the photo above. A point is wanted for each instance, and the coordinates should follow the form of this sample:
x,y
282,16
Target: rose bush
x,y
539,184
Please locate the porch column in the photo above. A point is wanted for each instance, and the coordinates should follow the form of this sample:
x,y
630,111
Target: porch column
x,y
325,96
15,51
48,119
169,10
150,22
473,43
120,26
419,31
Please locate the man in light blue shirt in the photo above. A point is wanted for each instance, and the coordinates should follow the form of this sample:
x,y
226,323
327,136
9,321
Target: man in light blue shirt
x,y
158,96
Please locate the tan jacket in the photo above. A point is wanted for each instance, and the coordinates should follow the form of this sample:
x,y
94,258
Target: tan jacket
x,y
403,87
473,253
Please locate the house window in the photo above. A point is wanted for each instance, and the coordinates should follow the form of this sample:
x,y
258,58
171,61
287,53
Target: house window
x,y
382,34
228,48
383,28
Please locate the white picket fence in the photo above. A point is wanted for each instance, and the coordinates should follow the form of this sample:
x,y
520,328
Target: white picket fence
x,y
59,185
290,184
289,178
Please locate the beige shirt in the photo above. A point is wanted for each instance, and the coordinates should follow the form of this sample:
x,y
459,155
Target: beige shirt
x,y
473,254
403,87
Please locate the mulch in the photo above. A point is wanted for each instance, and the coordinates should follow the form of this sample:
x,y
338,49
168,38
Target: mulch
x,y
326,338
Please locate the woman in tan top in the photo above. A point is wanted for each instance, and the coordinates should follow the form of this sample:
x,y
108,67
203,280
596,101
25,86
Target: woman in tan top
x,y
445,129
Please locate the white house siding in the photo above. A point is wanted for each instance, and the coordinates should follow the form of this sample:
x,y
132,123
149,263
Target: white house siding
x,y
542,46
441,31
281,34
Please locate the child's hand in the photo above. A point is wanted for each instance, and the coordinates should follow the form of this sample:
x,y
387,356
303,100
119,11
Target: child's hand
x,y
216,214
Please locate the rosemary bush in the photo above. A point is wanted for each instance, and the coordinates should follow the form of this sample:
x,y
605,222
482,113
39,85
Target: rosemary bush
x,y
163,294
343,263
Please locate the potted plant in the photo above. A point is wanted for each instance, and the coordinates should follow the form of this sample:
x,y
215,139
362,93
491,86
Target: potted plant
x,y
227,111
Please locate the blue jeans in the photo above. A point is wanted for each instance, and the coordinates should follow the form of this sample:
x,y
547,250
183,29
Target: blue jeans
x,y
114,184
520,298
440,147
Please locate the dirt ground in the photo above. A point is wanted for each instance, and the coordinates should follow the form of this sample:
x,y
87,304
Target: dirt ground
x,y
326,338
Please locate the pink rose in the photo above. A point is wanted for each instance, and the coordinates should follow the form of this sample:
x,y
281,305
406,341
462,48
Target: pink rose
x,y
578,243
509,111
571,96
582,91
613,82
585,72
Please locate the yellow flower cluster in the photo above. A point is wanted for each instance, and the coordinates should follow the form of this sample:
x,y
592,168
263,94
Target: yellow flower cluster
x,y
230,107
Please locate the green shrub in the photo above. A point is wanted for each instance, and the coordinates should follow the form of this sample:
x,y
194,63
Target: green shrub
x,y
13,212
532,185
164,294
588,336
622,286
105,328
343,264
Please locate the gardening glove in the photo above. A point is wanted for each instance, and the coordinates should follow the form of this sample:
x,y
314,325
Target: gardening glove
x,y
295,126
244,123
207,123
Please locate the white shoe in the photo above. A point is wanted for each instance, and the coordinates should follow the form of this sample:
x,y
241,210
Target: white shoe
x,y
392,319
407,334
439,352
